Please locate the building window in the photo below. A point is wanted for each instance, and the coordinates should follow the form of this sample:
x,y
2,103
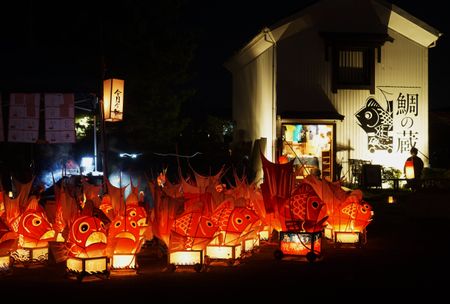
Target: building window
x,y
353,69
353,58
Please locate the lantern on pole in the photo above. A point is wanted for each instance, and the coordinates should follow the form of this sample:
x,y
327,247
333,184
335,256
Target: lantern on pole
x,y
113,92
409,169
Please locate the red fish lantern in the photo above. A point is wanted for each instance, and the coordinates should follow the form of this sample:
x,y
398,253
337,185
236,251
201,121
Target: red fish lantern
x,y
236,220
35,229
356,216
195,228
138,214
305,208
123,236
8,243
87,238
106,207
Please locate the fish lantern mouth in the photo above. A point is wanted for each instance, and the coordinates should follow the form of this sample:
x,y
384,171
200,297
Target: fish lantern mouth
x,y
48,235
96,237
126,235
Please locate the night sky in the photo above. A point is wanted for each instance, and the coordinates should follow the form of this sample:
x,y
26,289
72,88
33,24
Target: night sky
x,y
229,26
221,29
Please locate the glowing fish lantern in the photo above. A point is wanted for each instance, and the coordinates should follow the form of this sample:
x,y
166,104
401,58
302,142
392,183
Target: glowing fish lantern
x,y
35,231
123,242
86,246
8,243
190,234
305,211
138,214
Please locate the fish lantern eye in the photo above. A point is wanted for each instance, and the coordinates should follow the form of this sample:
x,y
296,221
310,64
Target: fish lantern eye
x,y
368,115
209,224
36,221
239,220
133,224
117,224
84,227
366,206
315,205
133,213
247,217
363,210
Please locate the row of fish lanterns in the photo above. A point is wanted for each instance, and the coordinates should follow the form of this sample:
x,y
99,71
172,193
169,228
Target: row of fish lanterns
x,y
90,231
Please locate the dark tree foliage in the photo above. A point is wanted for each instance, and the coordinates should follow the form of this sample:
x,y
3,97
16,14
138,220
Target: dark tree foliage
x,y
145,43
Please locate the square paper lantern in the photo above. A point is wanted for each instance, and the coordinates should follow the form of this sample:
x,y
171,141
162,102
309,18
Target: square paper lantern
x,y
31,256
5,263
186,258
409,169
225,252
250,244
123,261
113,93
87,266
264,235
300,243
353,239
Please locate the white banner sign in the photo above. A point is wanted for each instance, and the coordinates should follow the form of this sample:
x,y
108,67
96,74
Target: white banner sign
x,y
23,117
59,118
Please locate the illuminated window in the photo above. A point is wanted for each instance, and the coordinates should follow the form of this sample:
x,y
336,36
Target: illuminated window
x,y
353,59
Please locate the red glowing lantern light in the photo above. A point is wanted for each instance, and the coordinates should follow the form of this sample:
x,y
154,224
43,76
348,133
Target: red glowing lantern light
x,y
409,169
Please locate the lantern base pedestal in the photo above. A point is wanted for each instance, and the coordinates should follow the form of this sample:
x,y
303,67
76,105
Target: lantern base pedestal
x,y
227,255
123,272
30,257
349,239
304,245
264,235
87,269
185,260
123,265
250,246
5,265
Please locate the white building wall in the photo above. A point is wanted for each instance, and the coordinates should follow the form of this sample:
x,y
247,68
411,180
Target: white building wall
x,y
253,101
401,77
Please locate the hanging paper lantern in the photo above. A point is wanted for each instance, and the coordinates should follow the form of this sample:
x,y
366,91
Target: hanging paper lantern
x,y
409,169
113,92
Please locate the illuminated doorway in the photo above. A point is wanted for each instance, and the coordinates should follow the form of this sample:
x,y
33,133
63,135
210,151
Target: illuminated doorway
x,y
311,145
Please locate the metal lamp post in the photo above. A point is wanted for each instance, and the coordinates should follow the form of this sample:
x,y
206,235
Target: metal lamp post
x,y
111,110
